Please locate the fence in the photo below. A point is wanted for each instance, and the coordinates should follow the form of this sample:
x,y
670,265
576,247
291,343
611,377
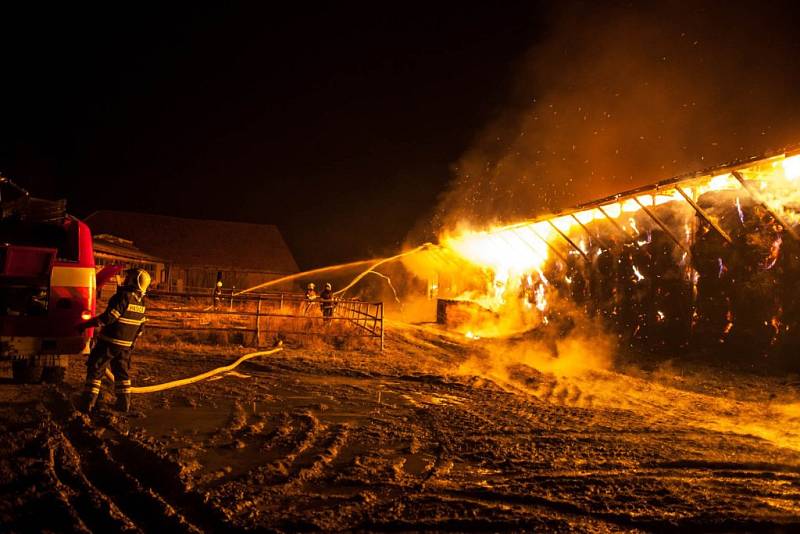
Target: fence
x,y
257,318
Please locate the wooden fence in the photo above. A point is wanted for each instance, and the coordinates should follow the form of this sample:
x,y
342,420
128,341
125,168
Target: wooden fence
x,y
261,317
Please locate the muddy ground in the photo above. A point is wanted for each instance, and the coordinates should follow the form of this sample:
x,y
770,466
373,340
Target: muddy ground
x,y
426,435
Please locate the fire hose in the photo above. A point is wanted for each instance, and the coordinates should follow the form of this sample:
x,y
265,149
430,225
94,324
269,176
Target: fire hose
x,y
192,379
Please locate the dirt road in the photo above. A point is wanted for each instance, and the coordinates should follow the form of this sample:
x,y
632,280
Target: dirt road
x,y
419,437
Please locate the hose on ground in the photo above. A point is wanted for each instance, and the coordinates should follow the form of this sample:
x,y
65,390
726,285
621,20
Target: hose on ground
x,y
197,378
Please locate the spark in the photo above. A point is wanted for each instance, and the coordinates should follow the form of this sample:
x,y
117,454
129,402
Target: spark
x,y
728,328
639,275
774,254
739,209
729,325
775,323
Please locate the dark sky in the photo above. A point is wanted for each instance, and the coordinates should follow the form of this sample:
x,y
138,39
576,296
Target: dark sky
x,y
337,123
616,95
349,125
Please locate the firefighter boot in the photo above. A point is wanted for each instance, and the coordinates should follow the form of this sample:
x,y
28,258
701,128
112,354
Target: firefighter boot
x,y
90,394
123,402
88,400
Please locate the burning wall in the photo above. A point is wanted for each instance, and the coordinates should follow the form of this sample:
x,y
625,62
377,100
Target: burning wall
x,y
695,262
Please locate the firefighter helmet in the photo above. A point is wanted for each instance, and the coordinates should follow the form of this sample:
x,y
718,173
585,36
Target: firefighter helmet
x,y
311,285
137,279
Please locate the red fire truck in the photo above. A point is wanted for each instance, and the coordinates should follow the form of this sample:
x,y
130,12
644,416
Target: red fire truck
x,y
47,285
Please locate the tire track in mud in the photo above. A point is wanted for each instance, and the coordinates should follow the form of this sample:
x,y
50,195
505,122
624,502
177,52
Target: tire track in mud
x,y
440,452
94,508
141,487
559,426
662,474
303,451
47,477
699,522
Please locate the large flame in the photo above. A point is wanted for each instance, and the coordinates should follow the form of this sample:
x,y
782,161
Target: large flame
x,y
508,255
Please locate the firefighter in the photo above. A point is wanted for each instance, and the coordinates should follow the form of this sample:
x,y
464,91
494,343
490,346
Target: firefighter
x,y
217,295
311,293
311,297
121,324
326,298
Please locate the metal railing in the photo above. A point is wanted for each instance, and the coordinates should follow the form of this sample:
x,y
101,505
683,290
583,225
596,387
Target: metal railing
x,y
257,316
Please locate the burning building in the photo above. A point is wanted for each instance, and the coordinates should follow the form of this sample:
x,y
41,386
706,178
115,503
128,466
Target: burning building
x,y
700,261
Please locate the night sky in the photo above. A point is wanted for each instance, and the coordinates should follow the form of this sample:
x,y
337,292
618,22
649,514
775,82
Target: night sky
x,y
349,125
337,123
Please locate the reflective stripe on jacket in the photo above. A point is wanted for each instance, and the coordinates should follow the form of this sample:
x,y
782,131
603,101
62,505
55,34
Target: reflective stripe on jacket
x,y
123,319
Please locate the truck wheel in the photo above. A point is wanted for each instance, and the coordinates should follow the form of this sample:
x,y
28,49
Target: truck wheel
x,y
26,371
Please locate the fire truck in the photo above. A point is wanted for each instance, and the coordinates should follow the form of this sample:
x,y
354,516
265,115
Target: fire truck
x,y
48,283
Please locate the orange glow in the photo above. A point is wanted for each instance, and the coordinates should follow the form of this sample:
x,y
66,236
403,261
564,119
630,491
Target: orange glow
x,y
508,255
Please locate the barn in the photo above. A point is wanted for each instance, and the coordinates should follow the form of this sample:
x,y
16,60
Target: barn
x,y
192,253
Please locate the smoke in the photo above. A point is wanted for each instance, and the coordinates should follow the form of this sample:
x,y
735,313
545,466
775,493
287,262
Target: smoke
x,y
561,340
584,375
578,354
625,94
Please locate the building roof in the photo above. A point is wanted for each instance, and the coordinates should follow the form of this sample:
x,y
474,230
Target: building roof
x,y
222,245
111,245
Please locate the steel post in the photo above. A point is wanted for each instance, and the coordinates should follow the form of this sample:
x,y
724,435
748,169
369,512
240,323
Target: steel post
x,y
663,226
754,194
703,215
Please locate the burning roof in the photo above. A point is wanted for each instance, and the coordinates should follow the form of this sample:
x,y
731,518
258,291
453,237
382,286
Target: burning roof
x,y
715,252
771,182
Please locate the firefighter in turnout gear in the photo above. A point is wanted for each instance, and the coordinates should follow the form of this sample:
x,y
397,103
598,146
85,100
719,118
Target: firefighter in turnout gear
x,y
326,302
121,324
311,297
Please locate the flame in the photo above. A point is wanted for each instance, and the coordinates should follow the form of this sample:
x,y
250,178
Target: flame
x,y
541,299
639,275
774,253
791,168
512,257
